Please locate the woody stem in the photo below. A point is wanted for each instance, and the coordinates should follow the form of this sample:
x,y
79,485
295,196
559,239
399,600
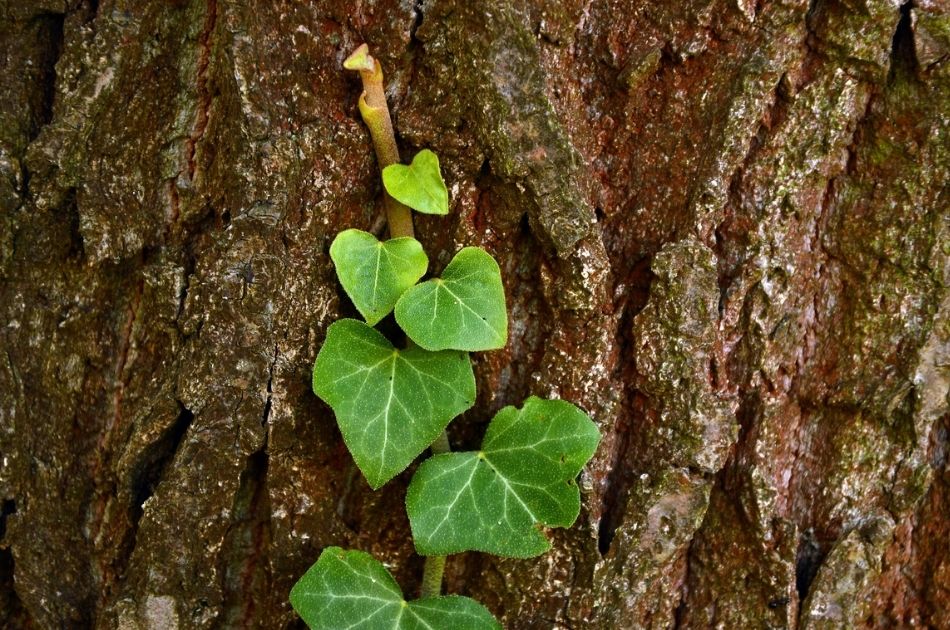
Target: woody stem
x,y
375,113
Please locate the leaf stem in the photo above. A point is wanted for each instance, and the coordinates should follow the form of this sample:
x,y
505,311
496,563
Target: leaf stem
x,y
441,444
432,576
375,113
435,565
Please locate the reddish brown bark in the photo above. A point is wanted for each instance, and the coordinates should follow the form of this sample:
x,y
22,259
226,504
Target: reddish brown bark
x,y
722,227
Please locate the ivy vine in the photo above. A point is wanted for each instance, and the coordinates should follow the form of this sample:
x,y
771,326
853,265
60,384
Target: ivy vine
x,y
393,402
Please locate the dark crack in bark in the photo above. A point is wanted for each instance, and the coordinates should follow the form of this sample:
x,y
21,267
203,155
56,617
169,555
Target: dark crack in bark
x,y
205,94
50,27
245,551
150,472
624,469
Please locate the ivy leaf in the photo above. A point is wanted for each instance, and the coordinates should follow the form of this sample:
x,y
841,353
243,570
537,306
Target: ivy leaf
x,y
462,310
418,185
347,590
375,274
496,499
390,404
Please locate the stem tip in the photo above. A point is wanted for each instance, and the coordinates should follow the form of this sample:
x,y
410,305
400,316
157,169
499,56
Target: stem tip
x,y
360,60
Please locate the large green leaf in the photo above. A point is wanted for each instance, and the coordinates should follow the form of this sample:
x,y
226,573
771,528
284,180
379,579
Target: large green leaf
x,y
390,404
375,274
350,590
418,185
494,500
462,310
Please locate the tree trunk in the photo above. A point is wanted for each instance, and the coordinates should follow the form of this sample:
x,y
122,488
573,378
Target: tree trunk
x,y
723,227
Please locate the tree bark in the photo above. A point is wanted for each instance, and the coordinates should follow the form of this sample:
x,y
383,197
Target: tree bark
x,y
723,228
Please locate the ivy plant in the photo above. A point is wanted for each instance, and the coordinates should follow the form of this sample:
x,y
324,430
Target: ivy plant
x,y
418,185
394,398
350,589
464,309
390,403
494,499
376,274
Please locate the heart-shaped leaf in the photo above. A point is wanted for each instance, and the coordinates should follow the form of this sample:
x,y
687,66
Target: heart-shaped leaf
x,y
418,185
494,500
374,274
390,404
462,310
347,590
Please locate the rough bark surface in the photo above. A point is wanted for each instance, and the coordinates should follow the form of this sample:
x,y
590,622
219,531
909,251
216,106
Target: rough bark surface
x,y
723,227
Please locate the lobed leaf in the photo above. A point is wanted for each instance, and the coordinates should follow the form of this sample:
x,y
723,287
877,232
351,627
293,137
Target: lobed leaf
x,y
390,404
375,274
496,499
462,310
350,590
418,185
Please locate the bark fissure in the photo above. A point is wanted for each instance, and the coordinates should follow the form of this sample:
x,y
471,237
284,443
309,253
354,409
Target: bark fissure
x,y
903,51
13,614
623,469
245,549
149,474
204,93
52,28
808,560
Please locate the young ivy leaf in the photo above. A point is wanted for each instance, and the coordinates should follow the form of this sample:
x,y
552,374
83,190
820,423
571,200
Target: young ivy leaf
x,y
418,185
462,310
496,499
375,274
347,590
390,404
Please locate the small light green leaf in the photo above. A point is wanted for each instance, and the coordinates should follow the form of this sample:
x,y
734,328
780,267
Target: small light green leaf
x,y
390,404
496,499
350,590
375,274
418,185
462,310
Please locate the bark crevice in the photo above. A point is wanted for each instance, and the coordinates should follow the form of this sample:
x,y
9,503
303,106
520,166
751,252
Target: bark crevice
x,y
51,27
204,92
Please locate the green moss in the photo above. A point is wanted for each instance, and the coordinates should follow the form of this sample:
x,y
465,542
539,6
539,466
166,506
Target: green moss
x,y
859,37
641,68
675,335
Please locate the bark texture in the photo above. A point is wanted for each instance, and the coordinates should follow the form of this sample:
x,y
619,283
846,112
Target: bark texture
x,y
723,227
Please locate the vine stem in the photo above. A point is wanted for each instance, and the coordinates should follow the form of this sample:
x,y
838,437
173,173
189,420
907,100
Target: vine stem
x,y
432,577
435,565
375,113
441,445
